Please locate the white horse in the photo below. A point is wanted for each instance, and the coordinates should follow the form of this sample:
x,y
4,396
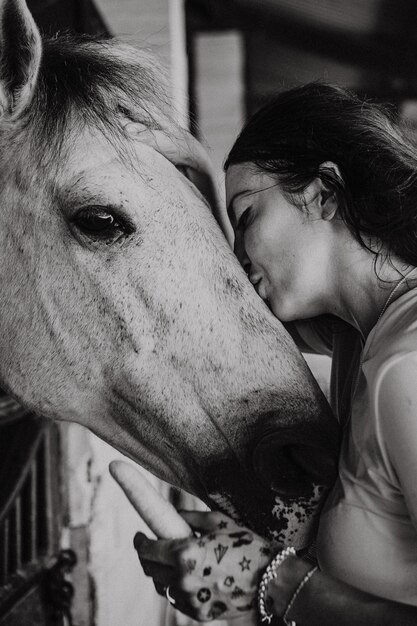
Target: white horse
x,y
123,307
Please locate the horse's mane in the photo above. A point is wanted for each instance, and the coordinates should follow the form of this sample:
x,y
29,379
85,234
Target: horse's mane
x,y
95,82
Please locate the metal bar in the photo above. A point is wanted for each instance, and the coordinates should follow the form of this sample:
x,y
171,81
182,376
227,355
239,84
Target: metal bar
x,y
4,551
30,520
41,502
17,531
33,548
48,492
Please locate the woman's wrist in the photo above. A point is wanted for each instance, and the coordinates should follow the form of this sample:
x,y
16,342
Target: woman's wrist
x,y
270,573
283,588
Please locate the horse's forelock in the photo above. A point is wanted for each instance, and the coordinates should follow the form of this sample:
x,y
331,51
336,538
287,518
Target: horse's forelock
x,y
96,83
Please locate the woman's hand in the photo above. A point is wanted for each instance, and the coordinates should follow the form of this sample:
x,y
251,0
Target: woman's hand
x,y
211,574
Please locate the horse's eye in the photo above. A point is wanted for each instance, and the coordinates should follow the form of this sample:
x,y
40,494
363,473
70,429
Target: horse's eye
x,y
100,223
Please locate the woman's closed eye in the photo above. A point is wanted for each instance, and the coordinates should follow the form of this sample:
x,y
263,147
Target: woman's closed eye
x,y
243,220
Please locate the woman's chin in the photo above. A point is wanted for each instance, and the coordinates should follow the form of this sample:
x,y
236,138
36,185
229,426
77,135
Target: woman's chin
x,y
285,310
281,311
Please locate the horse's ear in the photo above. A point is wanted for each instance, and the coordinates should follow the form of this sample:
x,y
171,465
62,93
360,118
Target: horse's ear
x,y
20,57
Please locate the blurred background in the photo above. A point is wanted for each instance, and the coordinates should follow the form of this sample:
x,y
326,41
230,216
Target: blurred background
x,y
66,532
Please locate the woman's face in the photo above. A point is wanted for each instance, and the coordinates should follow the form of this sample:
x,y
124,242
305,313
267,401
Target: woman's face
x,y
284,249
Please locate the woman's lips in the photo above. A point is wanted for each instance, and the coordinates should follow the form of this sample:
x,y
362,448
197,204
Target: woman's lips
x,y
260,288
259,285
254,278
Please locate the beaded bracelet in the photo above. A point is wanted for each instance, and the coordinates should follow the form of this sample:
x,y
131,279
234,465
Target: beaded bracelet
x,y
269,574
295,595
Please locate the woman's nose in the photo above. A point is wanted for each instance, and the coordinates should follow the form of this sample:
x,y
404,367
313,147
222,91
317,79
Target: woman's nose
x,y
239,250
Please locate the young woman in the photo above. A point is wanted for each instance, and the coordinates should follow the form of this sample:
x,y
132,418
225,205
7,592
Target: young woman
x,y
322,196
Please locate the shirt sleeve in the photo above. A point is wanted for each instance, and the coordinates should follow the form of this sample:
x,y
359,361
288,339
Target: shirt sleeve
x,y
397,413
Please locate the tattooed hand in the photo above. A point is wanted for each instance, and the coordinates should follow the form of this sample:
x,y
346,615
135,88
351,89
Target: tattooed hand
x,y
211,574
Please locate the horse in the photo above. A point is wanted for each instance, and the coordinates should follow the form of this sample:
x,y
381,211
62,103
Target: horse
x,y
123,306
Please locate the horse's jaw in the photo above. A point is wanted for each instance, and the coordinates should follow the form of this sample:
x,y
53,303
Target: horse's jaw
x,y
283,518
269,481
243,438
272,483
270,489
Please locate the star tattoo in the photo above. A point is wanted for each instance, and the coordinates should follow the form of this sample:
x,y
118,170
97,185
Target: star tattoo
x,y
204,594
222,524
244,563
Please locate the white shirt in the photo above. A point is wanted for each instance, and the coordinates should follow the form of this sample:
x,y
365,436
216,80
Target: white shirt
x,y
368,529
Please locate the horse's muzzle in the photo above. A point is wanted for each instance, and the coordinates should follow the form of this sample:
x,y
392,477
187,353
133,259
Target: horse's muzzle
x,y
288,467
278,487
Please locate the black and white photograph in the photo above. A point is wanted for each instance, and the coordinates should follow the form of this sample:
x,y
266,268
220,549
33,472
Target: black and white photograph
x,y
208,312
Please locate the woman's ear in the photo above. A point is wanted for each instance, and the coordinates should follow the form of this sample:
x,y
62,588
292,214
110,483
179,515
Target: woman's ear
x,y
320,196
328,196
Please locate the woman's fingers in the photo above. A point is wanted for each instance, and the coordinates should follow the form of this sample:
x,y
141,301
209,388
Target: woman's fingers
x,y
163,576
209,576
177,598
157,560
182,601
158,513
208,522
163,551
168,561
160,588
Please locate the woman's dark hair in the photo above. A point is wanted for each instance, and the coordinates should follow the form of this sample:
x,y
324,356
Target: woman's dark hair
x,y
300,129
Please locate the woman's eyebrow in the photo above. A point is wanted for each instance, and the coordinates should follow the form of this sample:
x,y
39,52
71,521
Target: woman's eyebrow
x,y
244,192
230,209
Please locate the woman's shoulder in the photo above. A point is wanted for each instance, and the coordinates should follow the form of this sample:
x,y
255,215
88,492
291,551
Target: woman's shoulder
x,y
395,335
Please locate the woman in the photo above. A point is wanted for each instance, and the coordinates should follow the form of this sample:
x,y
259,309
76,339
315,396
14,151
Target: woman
x,y
322,196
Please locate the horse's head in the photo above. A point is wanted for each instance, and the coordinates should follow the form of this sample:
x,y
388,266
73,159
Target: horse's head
x,y
123,307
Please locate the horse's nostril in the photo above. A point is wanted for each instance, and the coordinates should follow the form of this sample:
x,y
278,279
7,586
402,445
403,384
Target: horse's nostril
x,y
314,461
291,469
279,473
